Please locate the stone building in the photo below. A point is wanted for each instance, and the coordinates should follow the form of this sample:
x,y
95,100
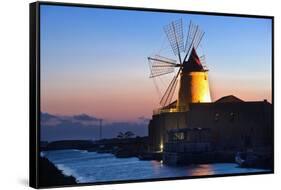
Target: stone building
x,y
234,124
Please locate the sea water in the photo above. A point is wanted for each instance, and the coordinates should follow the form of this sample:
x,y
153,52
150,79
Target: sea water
x,y
89,167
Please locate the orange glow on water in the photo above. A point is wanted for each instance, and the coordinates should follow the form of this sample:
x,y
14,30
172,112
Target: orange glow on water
x,y
202,170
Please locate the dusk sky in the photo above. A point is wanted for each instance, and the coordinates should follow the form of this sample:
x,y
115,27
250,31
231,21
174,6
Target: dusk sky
x,y
94,61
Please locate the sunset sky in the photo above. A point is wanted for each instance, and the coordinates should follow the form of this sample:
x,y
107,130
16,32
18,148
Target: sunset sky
x,y
94,61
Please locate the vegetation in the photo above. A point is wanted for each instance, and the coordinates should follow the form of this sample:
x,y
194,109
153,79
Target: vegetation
x,y
126,135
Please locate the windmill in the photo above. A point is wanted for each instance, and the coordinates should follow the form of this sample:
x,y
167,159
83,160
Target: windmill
x,y
191,74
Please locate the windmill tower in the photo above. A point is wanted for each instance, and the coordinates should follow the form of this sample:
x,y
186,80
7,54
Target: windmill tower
x,y
191,74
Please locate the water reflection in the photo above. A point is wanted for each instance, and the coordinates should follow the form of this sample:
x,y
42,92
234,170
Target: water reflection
x,y
201,170
93,167
156,166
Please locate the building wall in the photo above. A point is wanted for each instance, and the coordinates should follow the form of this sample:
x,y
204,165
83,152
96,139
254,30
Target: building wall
x,y
194,88
234,126
159,125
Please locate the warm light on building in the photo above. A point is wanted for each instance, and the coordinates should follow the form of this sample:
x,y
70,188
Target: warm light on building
x,y
194,88
161,147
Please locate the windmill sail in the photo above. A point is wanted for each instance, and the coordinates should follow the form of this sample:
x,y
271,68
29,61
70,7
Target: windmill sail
x,y
160,65
166,99
174,34
193,39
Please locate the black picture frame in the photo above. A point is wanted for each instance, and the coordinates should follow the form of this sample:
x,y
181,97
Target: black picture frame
x,y
34,87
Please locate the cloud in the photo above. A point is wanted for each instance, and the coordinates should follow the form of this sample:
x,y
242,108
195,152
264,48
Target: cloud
x,y
53,120
49,119
85,117
47,116
83,126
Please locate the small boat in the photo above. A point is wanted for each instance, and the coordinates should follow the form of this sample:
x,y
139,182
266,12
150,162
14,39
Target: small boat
x,y
247,159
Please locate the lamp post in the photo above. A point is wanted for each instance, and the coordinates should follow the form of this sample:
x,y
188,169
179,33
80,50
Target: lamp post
x,y
100,122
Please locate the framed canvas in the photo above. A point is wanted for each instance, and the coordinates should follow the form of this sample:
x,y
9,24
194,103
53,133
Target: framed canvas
x,y
122,94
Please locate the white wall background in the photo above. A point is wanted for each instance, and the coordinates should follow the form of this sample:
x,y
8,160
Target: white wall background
x,y
14,73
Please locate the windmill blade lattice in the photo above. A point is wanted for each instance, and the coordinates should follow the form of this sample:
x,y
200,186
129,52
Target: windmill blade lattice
x,y
169,93
194,37
174,34
173,89
160,65
203,61
190,35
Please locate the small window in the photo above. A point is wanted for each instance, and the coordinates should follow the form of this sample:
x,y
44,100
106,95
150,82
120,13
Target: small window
x,y
232,116
217,115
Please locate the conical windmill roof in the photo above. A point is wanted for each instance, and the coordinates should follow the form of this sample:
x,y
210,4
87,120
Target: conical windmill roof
x,y
193,63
